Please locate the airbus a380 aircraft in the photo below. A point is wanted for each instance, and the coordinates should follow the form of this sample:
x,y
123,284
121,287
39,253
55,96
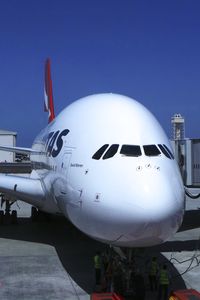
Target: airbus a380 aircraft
x,y
107,165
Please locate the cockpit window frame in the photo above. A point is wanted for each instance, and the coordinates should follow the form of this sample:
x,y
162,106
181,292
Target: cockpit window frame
x,y
128,150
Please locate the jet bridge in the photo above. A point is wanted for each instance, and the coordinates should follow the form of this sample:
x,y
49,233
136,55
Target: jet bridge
x,y
187,154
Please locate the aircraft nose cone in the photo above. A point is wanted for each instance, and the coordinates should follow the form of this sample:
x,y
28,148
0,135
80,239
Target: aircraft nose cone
x,y
134,210
155,212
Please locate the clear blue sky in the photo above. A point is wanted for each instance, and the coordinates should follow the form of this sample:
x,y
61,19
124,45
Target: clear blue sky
x,y
146,49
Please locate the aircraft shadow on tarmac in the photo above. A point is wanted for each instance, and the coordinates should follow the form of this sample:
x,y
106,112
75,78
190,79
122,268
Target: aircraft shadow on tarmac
x,y
76,250
191,220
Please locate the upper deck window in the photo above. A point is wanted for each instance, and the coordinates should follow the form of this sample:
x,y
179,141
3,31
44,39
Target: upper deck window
x,y
111,151
151,150
130,150
100,152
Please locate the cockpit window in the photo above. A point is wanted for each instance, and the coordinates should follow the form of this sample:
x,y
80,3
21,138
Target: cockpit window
x,y
100,152
164,151
169,151
111,151
151,150
130,150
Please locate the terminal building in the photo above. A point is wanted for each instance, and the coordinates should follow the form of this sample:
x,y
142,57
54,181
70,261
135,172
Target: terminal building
x,y
7,138
187,152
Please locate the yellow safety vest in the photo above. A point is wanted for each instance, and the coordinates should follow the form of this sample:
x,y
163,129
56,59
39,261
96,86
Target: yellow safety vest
x,y
164,278
97,262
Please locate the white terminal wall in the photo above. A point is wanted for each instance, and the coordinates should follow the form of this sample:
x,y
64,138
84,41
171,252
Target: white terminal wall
x,y
7,138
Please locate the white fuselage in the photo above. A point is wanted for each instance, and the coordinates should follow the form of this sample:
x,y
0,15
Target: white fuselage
x,y
130,192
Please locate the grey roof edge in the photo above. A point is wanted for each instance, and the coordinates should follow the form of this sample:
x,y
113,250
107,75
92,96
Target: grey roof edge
x,y
7,132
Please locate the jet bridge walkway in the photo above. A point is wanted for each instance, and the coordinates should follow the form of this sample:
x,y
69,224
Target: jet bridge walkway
x,y
15,168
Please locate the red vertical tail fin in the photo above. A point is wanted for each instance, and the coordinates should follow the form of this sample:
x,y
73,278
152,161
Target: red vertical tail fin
x,y
48,92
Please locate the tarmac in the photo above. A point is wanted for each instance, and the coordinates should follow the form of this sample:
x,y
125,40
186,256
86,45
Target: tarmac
x,y
51,259
33,258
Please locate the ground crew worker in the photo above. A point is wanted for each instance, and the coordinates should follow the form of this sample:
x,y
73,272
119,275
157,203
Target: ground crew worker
x,y
109,275
97,267
163,283
105,260
139,285
172,298
118,278
153,274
